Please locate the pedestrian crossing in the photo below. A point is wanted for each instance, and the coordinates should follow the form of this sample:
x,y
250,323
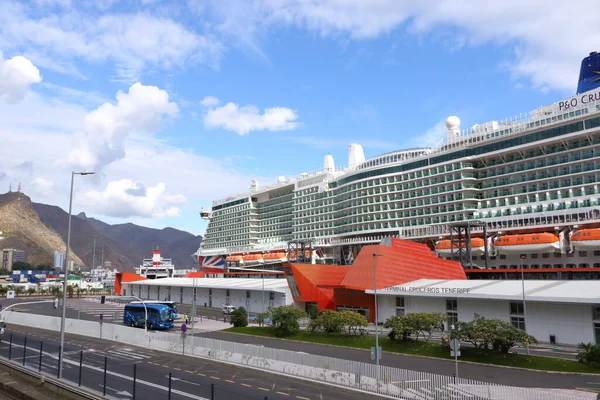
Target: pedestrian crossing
x,y
110,312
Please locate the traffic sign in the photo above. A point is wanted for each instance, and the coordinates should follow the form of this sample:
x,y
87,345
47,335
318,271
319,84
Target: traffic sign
x,y
183,328
373,353
101,317
455,344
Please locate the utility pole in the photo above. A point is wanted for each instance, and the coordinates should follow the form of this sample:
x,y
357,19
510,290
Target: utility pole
x,y
94,254
102,265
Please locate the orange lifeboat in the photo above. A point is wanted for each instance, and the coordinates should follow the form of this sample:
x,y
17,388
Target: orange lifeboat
x,y
235,257
586,239
529,243
306,254
443,247
253,258
276,256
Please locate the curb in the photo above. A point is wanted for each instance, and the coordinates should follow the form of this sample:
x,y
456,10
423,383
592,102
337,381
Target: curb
x,y
426,357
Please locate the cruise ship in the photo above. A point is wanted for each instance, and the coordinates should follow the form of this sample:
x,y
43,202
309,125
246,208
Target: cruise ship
x,y
517,196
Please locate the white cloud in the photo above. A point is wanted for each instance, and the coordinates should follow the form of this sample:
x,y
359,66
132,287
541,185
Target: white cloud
x,y
248,118
132,41
41,186
141,109
548,37
210,101
433,137
16,76
125,198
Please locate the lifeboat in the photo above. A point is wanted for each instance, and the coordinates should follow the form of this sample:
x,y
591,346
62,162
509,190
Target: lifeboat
x,y
586,239
276,256
529,243
306,254
253,258
442,247
234,258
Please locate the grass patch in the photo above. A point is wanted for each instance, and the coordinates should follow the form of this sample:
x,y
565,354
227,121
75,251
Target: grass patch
x,y
421,348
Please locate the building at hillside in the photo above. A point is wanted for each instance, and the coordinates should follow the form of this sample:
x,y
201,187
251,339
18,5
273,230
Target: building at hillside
x,y
11,256
567,312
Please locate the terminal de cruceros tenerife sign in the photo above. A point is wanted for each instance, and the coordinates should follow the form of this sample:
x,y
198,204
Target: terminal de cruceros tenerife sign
x,y
428,290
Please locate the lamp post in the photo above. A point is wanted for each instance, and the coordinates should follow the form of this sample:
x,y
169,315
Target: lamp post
x,y
66,274
524,303
263,292
145,312
375,255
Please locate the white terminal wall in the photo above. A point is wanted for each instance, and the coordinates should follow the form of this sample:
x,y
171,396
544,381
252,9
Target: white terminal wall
x,y
212,292
567,313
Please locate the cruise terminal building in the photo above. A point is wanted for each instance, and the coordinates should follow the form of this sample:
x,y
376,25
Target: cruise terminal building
x,y
410,278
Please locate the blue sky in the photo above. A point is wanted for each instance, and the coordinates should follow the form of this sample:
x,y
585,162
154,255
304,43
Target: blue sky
x,y
177,103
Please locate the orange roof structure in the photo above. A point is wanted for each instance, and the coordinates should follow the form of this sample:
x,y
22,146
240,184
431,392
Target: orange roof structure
x,y
401,261
126,277
194,274
310,277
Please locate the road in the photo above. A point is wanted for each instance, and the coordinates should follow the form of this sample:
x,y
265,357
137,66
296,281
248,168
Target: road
x,y
485,373
191,377
479,372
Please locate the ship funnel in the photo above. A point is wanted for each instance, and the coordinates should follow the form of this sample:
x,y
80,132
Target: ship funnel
x,y
281,179
453,128
356,155
156,257
254,186
588,74
328,164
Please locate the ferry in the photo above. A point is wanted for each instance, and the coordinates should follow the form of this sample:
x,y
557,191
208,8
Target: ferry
x,y
531,181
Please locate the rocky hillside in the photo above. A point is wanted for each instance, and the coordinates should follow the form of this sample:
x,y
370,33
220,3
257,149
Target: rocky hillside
x,y
22,229
41,229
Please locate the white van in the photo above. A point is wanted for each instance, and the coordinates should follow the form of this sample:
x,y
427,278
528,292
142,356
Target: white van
x,y
228,309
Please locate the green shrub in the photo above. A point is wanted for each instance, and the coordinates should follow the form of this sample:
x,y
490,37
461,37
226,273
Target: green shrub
x,y
285,319
239,317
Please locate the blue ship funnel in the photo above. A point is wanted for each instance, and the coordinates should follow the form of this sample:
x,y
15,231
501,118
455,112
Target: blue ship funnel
x,y
589,76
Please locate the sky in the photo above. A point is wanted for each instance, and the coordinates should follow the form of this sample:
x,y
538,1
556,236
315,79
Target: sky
x,y
176,103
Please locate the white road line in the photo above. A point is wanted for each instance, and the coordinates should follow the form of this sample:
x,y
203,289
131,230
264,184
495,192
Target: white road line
x,y
129,378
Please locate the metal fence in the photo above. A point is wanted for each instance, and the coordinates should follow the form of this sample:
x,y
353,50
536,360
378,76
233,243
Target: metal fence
x,y
389,381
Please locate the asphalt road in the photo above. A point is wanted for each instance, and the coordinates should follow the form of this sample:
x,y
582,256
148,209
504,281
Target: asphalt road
x,y
191,377
479,372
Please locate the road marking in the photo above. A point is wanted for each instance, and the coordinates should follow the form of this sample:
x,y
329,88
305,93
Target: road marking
x,y
227,380
201,374
285,394
166,366
177,369
262,388
245,384
189,372
127,377
215,377
302,398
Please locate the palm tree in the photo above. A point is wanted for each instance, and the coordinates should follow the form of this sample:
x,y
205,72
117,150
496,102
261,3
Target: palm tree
x,y
585,352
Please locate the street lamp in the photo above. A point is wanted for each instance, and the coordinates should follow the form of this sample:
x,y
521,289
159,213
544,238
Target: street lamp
x,y
524,304
375,255
66,273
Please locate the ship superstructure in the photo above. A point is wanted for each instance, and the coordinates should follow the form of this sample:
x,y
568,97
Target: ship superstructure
x,y
532,180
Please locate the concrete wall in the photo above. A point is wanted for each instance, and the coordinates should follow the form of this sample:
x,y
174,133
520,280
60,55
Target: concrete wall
x,y
237,297
570,323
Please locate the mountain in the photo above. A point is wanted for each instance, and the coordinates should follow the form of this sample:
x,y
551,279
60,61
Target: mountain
x,y
173,243
23,229
41,229
121,256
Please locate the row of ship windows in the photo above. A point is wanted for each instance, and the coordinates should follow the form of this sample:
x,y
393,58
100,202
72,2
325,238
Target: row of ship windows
x,y
580,253
539,178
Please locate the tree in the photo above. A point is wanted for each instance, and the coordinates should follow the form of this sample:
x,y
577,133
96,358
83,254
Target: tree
x,y
401,327
239,317
4,271
498,334
70,290
285,319
424,323
21,265
328,321
260,318
44,267
31,291
353,321
588,354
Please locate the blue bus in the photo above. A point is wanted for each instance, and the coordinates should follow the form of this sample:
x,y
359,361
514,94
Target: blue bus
x,y
159,316
171,304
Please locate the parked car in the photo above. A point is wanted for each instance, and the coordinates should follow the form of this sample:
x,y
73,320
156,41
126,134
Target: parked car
x,y
2,327
228,309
